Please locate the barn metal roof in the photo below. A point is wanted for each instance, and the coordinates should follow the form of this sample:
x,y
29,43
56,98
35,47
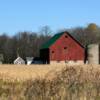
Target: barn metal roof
x,y
51,41
54,38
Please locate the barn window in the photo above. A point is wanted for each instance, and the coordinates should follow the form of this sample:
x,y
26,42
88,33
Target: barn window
x,y
66,36
52,51
65,48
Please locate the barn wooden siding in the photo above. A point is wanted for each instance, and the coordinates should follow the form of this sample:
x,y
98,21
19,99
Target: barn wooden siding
x,y
66,48
62,47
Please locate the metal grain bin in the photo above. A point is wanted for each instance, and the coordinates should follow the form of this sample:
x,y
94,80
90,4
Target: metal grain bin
x,y
93,54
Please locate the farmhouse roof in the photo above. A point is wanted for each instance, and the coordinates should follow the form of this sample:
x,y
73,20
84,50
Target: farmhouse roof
x,y
19,59
56,37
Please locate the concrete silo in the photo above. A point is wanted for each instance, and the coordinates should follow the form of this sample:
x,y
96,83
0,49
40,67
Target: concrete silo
x,y
93,53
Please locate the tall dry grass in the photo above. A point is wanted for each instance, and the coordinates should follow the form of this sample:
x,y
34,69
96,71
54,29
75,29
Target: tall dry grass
x,y
68,83
24,72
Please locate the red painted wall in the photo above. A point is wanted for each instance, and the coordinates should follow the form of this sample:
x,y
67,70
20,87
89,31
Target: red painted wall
x,y
72,51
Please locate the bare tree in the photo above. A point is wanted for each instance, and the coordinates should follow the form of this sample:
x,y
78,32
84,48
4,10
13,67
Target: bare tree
x,y
45,30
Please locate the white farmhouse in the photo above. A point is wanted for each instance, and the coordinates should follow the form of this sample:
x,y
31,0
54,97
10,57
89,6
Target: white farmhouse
x,y
19,60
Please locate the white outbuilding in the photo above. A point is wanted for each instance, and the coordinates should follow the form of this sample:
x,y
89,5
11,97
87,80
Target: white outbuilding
x,y
19,61
29,60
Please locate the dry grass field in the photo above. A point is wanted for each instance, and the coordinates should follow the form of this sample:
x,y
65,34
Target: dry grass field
x,y
31,72
50,82
27,72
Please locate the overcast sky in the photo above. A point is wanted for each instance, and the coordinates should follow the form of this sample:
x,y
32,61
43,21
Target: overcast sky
x,y
30,15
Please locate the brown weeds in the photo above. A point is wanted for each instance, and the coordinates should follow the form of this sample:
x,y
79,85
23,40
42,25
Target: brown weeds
x,y
68,83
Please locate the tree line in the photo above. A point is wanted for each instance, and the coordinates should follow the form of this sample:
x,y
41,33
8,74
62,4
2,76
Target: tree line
x,y
27,44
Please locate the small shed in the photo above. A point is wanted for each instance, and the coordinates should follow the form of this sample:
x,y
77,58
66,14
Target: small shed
x,y
29,60
19,60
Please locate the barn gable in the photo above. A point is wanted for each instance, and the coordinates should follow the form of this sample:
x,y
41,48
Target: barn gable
x,y
55,38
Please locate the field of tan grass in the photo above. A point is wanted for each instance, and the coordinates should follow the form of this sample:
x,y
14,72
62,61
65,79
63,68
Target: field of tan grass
x,y
66,82
24,72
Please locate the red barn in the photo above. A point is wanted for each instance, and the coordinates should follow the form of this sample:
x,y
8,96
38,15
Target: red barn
x,y
62,48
